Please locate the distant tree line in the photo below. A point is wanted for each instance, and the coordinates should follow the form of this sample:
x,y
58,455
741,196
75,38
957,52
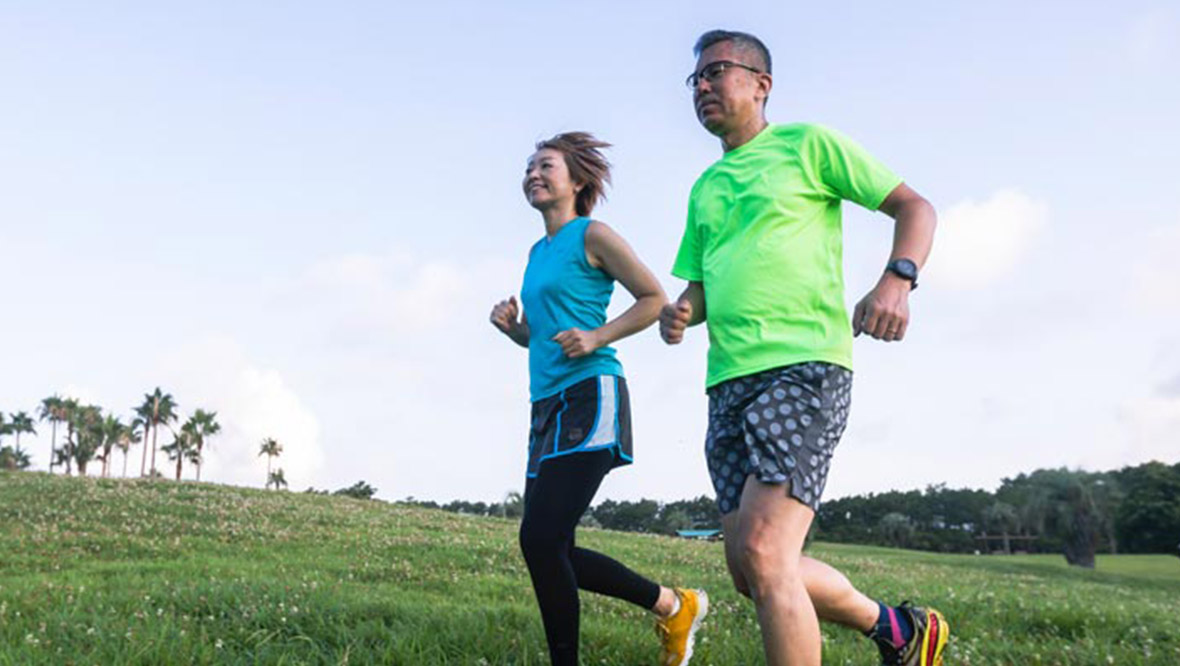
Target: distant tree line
x,y
1131,510
1079,514
358,490
645,516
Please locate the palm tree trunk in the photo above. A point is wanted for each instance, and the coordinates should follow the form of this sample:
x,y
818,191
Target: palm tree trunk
x,y
155,431
52,442
269,458
69,449
199,462
125,452
179,462
143,463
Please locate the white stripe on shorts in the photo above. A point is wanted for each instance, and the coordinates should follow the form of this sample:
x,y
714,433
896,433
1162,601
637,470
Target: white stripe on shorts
x,y
604,431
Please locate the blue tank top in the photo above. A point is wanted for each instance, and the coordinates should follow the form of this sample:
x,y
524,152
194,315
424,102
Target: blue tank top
x,y
561,291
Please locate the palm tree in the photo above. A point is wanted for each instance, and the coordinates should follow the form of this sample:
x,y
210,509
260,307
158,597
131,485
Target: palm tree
x,y
203,424
70,413
143,416
86,427
271,449
4,427
52,410
21,422
181,447
112,432
276,479
158,407
13,458
129,435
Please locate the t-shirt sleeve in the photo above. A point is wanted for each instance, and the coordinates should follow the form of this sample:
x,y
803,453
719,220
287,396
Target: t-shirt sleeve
x,y
688,264
848,171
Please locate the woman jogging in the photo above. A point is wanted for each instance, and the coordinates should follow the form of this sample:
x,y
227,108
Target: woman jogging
x,y
581,420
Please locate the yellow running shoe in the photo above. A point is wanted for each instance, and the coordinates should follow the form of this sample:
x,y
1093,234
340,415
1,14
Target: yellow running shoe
x,y
678,631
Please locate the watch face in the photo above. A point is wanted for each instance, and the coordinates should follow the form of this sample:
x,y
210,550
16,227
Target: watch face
x,y
905,268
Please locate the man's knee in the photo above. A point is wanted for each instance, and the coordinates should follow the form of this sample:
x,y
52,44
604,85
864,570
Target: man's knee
x,y
766,567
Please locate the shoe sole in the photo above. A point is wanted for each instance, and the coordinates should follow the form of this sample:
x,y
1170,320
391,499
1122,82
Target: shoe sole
x,y
702,611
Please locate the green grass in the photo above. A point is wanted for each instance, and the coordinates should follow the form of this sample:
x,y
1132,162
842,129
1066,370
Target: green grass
x,y
138,572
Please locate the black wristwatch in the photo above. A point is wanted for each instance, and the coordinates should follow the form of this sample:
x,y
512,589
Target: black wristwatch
x,y
904,268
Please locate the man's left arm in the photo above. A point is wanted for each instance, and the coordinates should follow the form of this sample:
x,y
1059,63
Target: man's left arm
x,y
884,313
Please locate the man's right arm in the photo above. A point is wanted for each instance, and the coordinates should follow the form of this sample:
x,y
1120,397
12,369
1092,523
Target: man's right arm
x,y
688,310
694,295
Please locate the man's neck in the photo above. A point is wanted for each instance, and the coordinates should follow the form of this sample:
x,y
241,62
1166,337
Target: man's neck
x,y
741,135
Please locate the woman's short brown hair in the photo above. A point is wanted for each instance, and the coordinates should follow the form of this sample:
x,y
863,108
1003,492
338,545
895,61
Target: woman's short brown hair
x,y
587,166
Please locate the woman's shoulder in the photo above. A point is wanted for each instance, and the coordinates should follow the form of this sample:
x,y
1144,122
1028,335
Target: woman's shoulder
x,y
598,232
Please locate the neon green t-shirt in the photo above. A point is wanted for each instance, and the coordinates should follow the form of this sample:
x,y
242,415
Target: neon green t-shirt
x,y
764,236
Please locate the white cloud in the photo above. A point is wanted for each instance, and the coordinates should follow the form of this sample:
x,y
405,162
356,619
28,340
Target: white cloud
x,y
252,403
978,243
383,293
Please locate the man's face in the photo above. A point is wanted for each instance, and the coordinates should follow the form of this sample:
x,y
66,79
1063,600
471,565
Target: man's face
x,y
733,98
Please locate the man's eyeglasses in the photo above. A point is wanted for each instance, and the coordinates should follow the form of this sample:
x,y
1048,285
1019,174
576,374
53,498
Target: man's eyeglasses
x,y
714,71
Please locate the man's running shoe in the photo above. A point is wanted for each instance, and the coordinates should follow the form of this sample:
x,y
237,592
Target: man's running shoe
x,y
678,632
925,647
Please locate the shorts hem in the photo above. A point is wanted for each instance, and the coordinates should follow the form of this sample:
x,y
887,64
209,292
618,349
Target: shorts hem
x,y
780,363
616,448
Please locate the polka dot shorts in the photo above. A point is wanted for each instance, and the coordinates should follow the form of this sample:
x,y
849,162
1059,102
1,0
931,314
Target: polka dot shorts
x,y
780,425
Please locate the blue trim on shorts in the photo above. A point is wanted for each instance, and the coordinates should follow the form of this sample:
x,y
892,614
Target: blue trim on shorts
x,y
618,447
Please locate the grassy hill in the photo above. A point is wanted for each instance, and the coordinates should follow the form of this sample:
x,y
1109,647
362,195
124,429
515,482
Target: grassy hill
x,y
137,572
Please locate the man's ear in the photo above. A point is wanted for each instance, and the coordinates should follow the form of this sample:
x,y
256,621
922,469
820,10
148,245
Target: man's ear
x,y
765,83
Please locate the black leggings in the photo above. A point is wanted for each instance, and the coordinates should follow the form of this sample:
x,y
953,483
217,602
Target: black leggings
x,y
554,502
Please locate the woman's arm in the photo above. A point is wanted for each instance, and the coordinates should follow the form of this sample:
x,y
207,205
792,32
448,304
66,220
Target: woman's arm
x,y
607,250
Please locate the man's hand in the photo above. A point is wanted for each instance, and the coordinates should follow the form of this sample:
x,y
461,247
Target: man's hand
x,y
506,316
674,318
576,343
884,313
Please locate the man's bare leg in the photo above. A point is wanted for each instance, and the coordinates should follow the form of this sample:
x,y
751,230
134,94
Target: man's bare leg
x,y
771,530
832,594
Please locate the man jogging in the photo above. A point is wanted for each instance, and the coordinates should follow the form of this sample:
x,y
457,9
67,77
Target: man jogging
x,y
762,254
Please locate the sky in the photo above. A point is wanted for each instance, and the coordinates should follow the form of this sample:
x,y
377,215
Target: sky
x,y
299,215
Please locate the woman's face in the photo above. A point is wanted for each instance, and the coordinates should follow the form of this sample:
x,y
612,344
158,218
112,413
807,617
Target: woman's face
x,y
547,180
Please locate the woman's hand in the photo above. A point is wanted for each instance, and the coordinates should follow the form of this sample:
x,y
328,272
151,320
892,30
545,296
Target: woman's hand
x,y
576,343
507,317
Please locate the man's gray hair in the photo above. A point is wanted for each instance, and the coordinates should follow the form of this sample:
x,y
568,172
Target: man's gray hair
x,y
742,40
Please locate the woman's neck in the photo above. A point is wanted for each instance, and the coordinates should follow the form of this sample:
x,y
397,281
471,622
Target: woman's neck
x,y
557,217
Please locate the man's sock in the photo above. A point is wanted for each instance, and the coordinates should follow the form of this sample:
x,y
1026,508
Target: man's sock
x,y
893,627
